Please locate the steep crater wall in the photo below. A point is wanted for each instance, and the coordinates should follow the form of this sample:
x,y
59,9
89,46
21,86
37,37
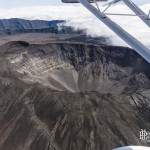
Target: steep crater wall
x,y
68,96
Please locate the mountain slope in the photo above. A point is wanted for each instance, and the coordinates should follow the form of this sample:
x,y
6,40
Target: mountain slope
x,y
72,95
15,25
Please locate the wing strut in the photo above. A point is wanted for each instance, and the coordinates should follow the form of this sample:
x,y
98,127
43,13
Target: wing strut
x,y
129,39
145,18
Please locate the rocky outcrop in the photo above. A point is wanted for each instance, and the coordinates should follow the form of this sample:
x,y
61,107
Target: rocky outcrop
x,y
69,96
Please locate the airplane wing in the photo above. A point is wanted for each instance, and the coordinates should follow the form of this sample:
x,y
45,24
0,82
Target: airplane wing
x,y
77,1
133,148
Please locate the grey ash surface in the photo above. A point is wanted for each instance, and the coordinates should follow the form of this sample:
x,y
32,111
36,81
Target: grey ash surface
x,y
97,100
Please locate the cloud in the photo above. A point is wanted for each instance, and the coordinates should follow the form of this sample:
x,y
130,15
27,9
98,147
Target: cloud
x,y
79,17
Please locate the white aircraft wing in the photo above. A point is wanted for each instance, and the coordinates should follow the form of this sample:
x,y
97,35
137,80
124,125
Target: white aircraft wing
x,y
133,148
77,1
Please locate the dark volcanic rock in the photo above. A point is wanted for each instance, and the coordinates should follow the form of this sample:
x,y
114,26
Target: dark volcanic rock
x,y
72,96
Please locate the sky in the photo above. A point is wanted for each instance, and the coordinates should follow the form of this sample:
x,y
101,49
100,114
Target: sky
x,y
78,17
23,3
